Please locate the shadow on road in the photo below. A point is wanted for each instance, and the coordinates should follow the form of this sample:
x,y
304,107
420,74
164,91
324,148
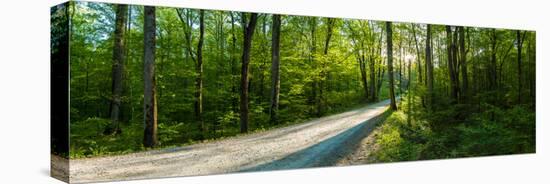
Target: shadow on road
x,y
327,152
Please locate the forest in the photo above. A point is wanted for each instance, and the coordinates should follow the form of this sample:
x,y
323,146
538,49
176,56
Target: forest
x,y
146,77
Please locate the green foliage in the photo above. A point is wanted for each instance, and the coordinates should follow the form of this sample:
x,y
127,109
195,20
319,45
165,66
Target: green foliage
x,y
499,131
87,139
313,82
458,130
393,140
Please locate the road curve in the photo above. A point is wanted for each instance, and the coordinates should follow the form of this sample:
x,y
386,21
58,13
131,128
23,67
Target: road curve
x,y
319,142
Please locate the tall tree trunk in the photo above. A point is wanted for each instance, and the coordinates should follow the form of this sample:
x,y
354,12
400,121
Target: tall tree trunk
x,y
451,63
418,62
363,70
128,61
149,96
248,32
372,76
313,50
322,73
234,99
429,67
275,75
400,71
199,70
119,58
519,46
381,69
493,64
409,94
389,49
463,65
531,62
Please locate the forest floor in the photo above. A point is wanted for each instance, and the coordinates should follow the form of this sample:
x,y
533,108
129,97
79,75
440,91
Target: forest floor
x,y
327,141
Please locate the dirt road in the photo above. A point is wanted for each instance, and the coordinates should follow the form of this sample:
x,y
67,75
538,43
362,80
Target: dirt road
x,y
319,142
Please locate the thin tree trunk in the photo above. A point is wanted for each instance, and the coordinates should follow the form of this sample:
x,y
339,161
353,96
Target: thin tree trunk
x,y
275,75
409,94
531,61
451,63
389,49
248,32
463,65
128,60
429,67
322,74
519,47
313,50
363,71
492,68
400,73
119,58
372,76
381,70
234,99
199,70
149,93
419,64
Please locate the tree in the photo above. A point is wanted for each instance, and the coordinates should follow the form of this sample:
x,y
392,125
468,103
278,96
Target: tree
x,y
186,18
519,45
358,41
381,69
409,94
400,63
248,31
119,57
429,67
492,68
418,62
275,75
451,63
149,93
323,73
389,50
199,70
463,65
312,21
233,63
372,73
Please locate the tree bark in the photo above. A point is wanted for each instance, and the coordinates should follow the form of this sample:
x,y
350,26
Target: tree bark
x,y
199,70
493,64
363,71
372,76
419,64
429,67
519,47
463,65
248,31
275,75
389,50
149,93
313,50
451,55
234,99
119,58
400,70
381,70
409,94
322,73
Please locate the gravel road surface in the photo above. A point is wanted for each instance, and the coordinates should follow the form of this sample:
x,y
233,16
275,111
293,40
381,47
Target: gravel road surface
x,y
319,142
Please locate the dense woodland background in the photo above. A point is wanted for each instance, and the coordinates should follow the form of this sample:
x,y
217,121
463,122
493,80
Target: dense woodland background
x,y
155,77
